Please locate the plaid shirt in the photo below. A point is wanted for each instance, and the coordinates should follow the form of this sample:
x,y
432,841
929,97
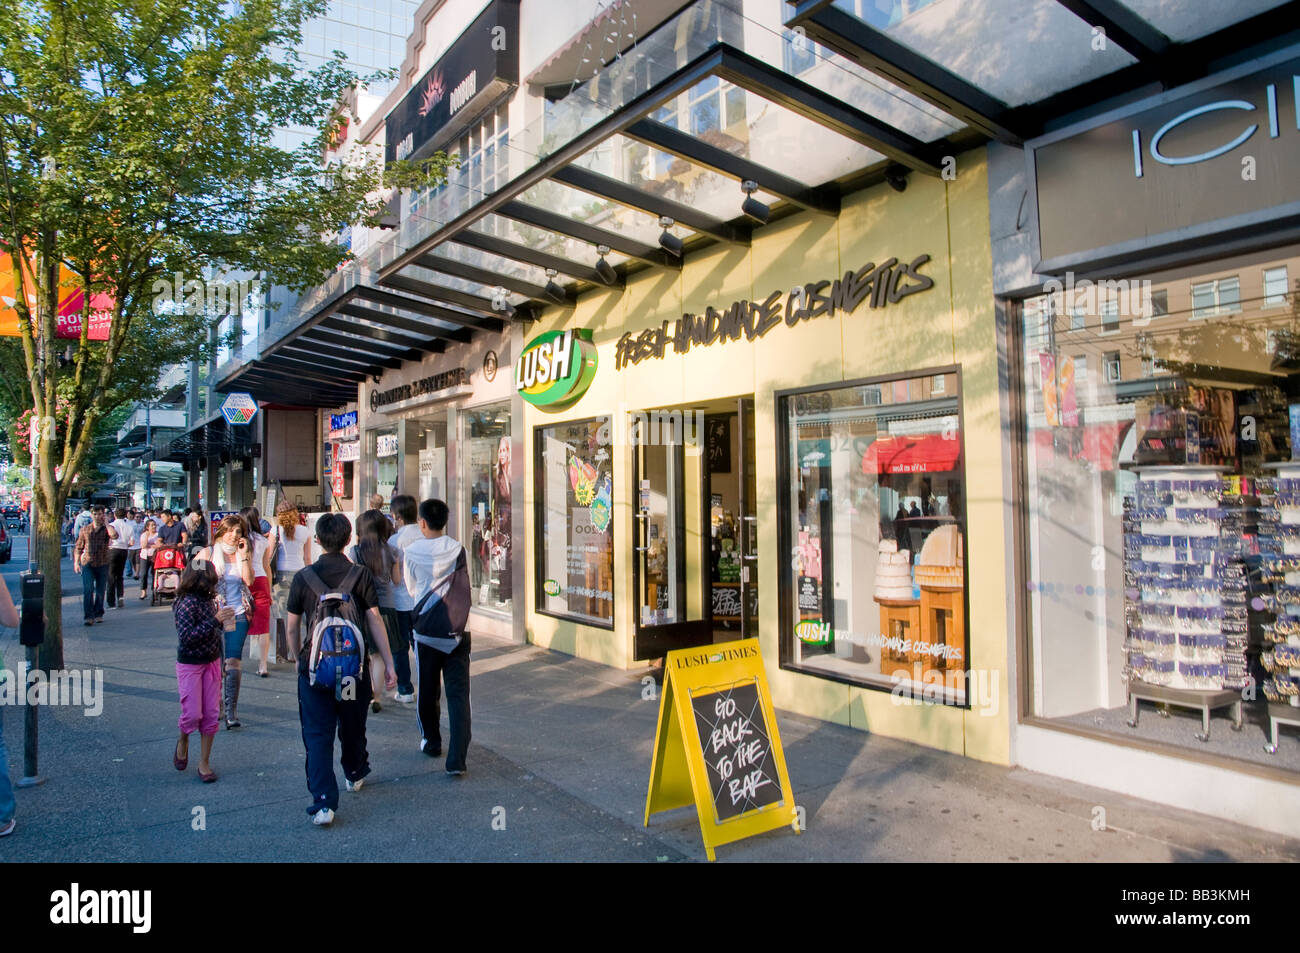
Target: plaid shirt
x,y
199,634
92,546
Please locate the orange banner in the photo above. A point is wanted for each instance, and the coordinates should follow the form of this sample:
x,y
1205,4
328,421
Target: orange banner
x,y
71,300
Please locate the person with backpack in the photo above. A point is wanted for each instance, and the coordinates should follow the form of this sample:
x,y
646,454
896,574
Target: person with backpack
x,y
332,602
437,576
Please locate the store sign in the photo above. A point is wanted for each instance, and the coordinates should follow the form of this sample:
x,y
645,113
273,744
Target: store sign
x,y
1225,154
888,282
336,483
425,390
343,426
556,368
482,64
386,445
348,452
717,745
239,408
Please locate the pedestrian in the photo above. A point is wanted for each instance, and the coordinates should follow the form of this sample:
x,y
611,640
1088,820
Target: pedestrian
x,y
232,558
148,546
171,533
374,551
200,629
376,501
325,710
133,555
84,519
90,558
9,620
290,552
259,623
122,535
437,575
198,532
406,519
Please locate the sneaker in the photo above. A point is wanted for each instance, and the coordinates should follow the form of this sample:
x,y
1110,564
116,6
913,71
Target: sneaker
x,y
323,818
356,785
407,699
431,750
375,706
455,772
7,827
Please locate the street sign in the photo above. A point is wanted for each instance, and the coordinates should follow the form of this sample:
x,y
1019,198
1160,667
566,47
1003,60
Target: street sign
x,y
239,408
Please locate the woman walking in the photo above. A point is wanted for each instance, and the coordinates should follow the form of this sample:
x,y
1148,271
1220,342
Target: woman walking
x,y
199,629
290,551
232,558
148,546
384,561
259,625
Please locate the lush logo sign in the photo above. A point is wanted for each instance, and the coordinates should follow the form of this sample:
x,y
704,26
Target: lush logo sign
x,y
556,368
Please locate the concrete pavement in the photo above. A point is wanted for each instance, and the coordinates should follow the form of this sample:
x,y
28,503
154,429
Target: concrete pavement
x,y
557,772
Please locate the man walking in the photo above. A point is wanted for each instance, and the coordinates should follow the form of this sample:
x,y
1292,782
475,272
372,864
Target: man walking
x,y
437,575
323,710
122,536
90,558
171,533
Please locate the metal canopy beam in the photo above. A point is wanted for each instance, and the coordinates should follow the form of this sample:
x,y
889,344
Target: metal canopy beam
x,y
315,376
902,66
436,292
564,225
301,364
778,86
678,143
610,188
323,336
508,249
1121,25
422,307
274,389
344,358
417,344
483,276
409,325
351,351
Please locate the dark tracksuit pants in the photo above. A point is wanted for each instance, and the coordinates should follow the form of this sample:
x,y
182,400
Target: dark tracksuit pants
x,y
322,716
453,668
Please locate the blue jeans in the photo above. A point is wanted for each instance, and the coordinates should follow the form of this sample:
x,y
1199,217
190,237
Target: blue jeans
x,y
236,638
322,716
94,580
6,789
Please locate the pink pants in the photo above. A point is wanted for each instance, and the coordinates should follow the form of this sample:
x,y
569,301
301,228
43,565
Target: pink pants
x,y
200,687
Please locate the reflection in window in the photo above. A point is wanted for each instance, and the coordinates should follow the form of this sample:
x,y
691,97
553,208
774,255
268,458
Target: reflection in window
x,y
486,454
1275,287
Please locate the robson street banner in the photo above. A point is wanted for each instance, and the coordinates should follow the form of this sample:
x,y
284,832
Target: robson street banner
x,y
71,303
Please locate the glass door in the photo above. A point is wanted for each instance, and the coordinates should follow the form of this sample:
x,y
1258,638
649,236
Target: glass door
x,y
667,617
748,528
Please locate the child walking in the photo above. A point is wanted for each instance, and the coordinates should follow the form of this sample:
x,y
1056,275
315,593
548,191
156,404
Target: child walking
x,y
200,640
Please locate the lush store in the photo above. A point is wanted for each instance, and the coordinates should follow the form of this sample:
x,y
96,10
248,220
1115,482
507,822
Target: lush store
x,y
1157,414
795,440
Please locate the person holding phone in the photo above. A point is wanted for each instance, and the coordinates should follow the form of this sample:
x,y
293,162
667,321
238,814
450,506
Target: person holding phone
x,y
232,558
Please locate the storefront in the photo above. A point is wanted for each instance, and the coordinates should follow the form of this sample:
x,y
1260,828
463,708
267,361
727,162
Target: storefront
x,y
1156,411
713,455
443,428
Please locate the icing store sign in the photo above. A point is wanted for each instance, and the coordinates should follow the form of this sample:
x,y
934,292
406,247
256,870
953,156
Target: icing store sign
x,y
556,368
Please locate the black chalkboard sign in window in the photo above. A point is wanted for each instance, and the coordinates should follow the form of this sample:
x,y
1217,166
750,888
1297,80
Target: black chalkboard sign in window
x,y
737,750
717,443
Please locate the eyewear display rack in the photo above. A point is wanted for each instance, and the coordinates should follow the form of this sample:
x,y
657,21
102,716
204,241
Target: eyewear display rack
x,y
1279,531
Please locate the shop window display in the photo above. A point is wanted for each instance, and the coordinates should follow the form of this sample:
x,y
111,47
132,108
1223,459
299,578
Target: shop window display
x,y
874,522
488,468
1163,503
575,540
384,461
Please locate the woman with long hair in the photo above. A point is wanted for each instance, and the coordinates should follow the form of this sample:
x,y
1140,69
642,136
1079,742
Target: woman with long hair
x,y
148,546
232,558
259,626
290,552
199,629
373,551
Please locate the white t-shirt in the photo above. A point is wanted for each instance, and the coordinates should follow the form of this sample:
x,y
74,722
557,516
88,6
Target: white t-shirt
x,y
288,557
126,537
404,537
260,545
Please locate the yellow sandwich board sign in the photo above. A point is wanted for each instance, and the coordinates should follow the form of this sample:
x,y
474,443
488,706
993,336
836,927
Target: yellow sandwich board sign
x,y
717,745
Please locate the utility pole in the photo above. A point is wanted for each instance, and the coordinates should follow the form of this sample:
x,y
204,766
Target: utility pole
x,y
148,439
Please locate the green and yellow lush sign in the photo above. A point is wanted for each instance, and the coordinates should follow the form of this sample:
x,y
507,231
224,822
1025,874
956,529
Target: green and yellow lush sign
x,y
556,368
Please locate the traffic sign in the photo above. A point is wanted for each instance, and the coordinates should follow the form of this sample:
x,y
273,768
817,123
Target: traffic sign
x,y
239,408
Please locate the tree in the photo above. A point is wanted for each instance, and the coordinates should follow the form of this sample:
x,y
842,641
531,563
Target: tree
x,y
136,139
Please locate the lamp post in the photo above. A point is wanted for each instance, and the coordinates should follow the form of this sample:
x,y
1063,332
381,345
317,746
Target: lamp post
x,y
148,439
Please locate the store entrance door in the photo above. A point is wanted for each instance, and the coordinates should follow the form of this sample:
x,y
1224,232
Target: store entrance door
x,y
731,524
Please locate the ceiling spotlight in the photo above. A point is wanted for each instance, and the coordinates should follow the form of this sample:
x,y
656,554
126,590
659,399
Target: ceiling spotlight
x,y
553,290
604,269
668,241
896,176
500,302
752,206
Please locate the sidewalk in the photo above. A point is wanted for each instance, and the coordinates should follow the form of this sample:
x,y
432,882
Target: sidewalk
x,y
561,750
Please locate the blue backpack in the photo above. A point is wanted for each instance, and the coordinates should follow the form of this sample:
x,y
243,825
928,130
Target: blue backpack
x,y
337,655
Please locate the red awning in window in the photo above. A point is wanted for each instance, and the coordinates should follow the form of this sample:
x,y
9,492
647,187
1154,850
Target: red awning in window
x,y
928,453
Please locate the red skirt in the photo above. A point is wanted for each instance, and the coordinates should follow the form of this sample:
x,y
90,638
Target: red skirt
x,y
260,622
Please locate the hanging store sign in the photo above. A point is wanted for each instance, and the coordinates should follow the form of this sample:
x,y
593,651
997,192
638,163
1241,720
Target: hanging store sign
x,y
479,67
348,452
885,283
386,445
343,426
424,391
556,368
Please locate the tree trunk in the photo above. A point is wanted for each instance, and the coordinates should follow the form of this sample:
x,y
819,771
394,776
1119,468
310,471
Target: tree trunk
x,y
49,560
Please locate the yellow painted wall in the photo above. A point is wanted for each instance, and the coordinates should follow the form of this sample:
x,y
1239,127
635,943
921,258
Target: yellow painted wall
x,y
952,323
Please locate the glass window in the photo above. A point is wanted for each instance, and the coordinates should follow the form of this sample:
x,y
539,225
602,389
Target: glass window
x,y
1081,367
1109,316
875,520
1078,321
486,457
1157,514
575,485
382,447
1275,287
1160,302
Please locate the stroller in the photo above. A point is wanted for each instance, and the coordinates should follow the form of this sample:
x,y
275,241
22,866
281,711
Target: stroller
x,y
168,561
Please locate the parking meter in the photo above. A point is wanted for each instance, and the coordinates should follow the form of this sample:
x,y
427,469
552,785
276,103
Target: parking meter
x,y
31,631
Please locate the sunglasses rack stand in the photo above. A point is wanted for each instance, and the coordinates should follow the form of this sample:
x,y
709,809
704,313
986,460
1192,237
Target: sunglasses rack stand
x,y
1280,545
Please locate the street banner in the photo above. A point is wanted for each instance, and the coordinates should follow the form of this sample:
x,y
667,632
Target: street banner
x,y
71,301
717,745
